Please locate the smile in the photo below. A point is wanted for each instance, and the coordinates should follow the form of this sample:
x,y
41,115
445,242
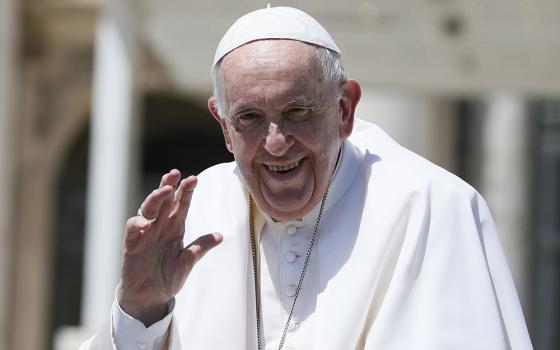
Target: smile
x,y
283,168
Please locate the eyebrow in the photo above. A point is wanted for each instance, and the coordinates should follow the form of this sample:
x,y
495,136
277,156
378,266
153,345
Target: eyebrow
x,y
242,107
304,101
301,101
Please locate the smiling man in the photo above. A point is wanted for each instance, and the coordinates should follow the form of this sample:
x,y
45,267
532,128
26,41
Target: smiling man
x,y
327,234
284,122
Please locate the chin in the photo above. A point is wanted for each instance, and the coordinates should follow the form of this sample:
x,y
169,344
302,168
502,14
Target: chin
x,y
287,216
294,210
287,208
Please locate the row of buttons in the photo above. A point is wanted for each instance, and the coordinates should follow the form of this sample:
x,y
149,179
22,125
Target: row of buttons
x,y
292,243
291,257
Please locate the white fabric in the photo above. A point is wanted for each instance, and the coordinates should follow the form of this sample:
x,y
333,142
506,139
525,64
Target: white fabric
x,y
274,23
131,334
408,258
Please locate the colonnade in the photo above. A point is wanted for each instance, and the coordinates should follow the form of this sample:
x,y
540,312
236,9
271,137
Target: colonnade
x,y
506,176
112,169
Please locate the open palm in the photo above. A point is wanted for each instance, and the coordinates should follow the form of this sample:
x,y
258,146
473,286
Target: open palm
x,y
155,262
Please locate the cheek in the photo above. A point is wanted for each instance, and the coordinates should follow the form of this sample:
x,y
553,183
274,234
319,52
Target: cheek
x,y
326,140
326,152
243,148
235,142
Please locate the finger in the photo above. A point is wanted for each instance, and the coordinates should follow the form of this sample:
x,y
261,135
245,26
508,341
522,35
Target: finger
x,y
153,203
183,197
171,178
199,247
135,227
166,207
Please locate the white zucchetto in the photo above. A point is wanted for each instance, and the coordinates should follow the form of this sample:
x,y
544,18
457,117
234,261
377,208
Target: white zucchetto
x,y
274,23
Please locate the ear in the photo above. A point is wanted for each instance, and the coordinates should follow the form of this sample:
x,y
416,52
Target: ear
x,y
214,110
351,93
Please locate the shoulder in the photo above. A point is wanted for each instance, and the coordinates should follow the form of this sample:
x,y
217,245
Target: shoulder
x,y
397,169
218,170
217,177
213,186
219,193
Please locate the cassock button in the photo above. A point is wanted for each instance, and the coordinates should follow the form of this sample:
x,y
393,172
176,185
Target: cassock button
x,y
293,326
291,290
291,230
291,257
141,344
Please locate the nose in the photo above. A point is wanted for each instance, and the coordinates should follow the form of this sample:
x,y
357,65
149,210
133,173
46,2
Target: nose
x,y
277,141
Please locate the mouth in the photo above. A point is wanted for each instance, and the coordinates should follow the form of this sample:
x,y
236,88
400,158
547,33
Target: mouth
x,y
283,168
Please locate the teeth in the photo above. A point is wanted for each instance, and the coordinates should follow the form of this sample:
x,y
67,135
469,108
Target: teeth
x,y
283,167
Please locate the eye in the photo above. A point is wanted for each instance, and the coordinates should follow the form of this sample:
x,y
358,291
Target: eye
x,y
297,113
247,120
296,110
247,117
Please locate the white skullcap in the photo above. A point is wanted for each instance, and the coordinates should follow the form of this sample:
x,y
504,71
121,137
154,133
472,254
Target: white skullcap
x,y
274,23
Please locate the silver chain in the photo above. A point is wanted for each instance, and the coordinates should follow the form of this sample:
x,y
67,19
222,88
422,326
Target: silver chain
x,y
301,277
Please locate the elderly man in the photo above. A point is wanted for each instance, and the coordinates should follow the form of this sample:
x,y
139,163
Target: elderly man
x,y
331,235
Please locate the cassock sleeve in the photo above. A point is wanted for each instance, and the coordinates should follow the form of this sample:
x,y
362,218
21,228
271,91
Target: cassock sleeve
x,y
126,333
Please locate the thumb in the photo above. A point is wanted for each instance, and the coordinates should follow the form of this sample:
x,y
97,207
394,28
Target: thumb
x,y
199,247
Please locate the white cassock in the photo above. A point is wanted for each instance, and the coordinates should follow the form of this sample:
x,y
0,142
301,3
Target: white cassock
x,y
407,257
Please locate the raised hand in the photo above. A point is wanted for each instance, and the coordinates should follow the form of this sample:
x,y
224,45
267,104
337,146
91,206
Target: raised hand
x,y
155,262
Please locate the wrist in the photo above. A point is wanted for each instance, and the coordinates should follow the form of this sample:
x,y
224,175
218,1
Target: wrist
x,y
145,312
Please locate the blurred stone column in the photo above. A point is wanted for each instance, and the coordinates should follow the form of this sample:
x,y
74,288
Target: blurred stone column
x,y
423,124
9,17
505,182
113,147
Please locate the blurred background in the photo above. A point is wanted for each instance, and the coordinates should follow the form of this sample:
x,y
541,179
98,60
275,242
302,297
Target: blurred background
x,y
99,98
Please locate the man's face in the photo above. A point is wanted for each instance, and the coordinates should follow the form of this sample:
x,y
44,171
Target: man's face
x,y
283,123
